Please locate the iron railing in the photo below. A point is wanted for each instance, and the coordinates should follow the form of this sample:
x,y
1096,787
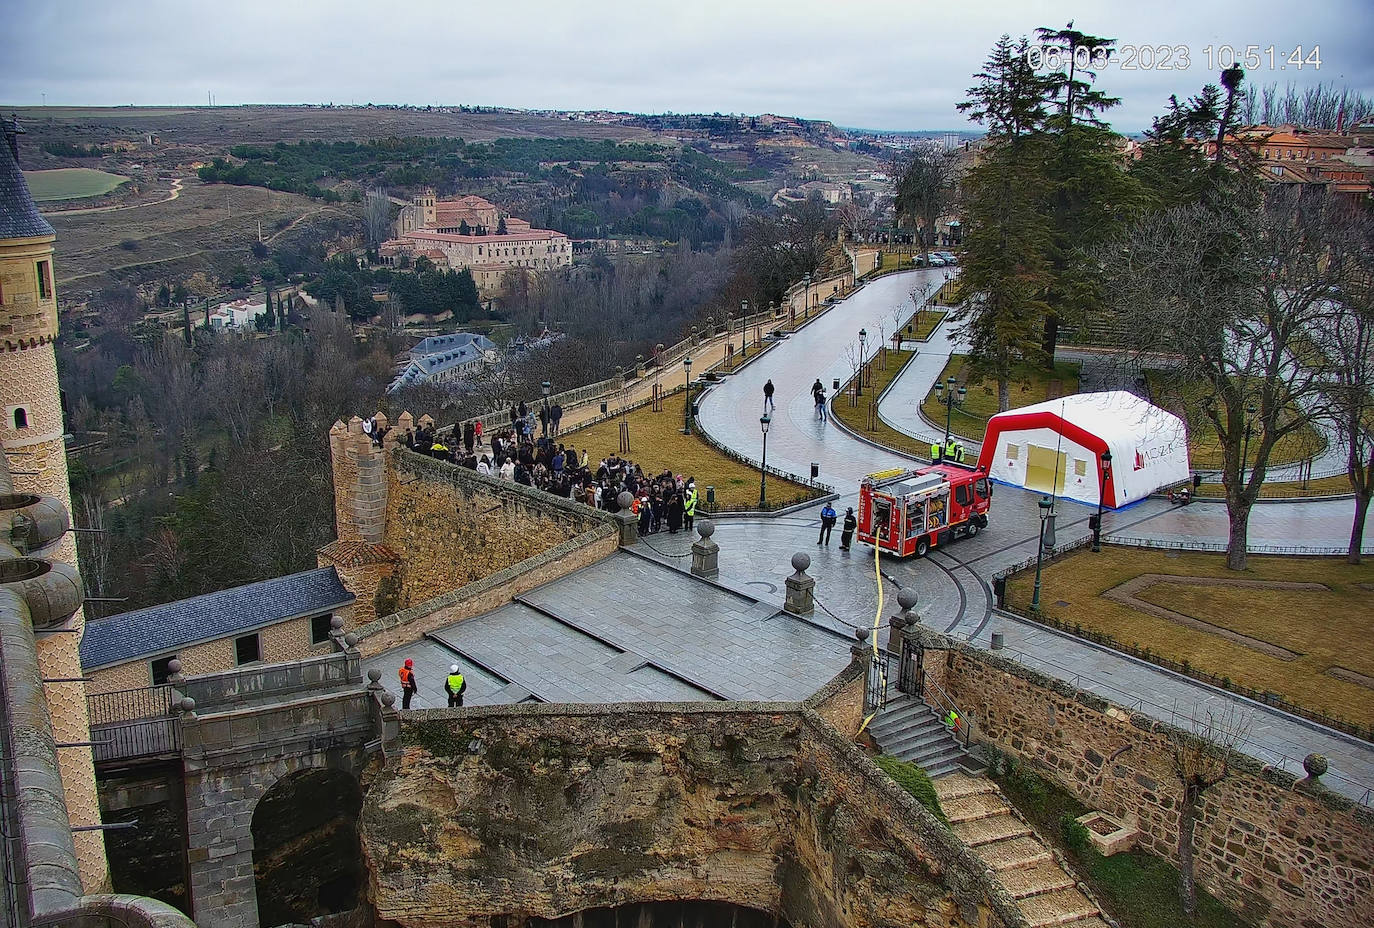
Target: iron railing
x,y
129,724
875,689
945,709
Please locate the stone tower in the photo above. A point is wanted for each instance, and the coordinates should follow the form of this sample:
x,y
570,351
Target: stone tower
x,y
31,430
429,217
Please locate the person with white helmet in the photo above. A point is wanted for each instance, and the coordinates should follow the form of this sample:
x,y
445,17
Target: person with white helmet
x,y
454,686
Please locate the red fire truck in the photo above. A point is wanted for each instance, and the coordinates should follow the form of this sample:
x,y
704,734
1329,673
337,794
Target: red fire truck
x,y
911,511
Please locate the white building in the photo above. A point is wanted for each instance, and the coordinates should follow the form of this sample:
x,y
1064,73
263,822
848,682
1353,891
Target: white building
x,y
238,314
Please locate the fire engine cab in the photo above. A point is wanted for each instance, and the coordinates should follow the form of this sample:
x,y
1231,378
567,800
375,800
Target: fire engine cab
x,y
911,511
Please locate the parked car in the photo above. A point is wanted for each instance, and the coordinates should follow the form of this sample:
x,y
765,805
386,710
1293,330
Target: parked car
x,y
936,261
947,257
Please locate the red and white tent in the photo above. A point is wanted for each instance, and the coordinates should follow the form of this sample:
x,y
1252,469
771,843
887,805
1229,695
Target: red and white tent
x,y
1056,447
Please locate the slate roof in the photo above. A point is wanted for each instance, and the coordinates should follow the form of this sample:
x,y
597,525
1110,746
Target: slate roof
x,y
19,217
438,344
159,629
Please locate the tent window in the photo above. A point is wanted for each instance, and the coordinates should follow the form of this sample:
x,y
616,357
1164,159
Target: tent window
x,y
1080,468
1013,452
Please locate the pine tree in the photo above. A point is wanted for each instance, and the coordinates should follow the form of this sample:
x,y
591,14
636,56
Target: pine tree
x,y
501,226
186,324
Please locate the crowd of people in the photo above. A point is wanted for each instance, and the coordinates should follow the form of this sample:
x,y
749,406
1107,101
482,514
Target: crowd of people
x,y
664,501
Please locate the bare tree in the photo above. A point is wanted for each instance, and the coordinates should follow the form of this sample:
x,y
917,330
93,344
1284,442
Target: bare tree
x,y
924,190
1348,344
1229,294
377,216
1202,759
94,547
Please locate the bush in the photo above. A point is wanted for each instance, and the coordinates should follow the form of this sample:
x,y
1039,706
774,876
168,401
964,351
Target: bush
x,y
1074,832
915,781
129,244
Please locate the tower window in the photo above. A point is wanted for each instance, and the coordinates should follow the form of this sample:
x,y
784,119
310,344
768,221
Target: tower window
x,y
247,649
44,281
21,417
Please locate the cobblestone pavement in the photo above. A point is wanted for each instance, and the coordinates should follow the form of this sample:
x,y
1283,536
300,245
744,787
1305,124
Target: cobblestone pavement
x,y
952,584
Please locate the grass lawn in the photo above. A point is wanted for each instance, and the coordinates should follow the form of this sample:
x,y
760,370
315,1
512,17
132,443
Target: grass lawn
x,y
1138,889
71,183
1204,450
1319,626
657,442
926,323
1338,485
856,417
1030,385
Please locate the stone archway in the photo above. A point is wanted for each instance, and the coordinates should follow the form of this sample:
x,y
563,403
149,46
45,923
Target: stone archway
x,y
307,859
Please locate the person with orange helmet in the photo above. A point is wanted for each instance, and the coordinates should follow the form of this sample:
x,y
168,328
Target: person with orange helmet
x,y
409,685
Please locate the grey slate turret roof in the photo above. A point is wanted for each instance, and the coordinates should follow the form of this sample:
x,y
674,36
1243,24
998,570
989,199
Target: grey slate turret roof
x,y
19,217
160,629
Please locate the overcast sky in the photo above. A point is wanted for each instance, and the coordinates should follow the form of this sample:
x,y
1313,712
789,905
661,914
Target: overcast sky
x,y
873,64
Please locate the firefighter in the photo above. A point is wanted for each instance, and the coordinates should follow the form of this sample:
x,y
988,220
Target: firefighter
x,y
959,453
951,447
935,449
454,686
408,683
847,532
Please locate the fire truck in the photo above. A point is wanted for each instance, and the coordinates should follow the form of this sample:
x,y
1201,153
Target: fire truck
x,y
911,511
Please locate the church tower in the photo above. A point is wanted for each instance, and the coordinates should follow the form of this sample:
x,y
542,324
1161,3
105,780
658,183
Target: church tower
x,y
31,430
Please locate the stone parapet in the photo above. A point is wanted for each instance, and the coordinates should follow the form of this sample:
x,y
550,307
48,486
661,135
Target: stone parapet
x,y
1278,849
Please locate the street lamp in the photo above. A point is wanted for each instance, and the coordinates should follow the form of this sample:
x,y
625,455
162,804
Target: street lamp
x,y
1101,492
947,393
806,297
687,366
764,420
544,388
1245,448
863,348
1046,541
743,327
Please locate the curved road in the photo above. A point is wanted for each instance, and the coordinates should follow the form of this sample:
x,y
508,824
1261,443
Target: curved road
x,y
952,584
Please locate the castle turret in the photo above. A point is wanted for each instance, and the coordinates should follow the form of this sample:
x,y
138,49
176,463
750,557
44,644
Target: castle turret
x,y
31,430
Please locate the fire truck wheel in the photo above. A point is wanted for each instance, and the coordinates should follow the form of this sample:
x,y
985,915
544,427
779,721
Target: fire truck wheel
x,y
973,528
922,547
982,521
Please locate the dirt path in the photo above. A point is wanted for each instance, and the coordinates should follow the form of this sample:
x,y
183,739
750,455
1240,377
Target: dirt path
x,y
292,224
172,195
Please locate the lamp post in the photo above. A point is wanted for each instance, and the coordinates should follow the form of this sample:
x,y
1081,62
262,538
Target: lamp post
x,y
1046,541
764,420
743,327
863,348
806,297
1101,492
947,393
1245,448
687,366
544,388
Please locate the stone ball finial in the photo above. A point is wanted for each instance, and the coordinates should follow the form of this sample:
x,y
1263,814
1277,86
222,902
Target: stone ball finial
x,y
800,561
173,666
350,640
1315,765
388,699
862,633
187,704
625,500
906,598
705,528
374,675
336,622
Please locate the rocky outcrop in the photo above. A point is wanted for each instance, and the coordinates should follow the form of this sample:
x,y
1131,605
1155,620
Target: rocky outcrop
x,y
502,815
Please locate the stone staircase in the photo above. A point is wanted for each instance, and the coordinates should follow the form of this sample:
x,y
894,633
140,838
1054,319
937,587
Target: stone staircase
x,y
908,729
1046,893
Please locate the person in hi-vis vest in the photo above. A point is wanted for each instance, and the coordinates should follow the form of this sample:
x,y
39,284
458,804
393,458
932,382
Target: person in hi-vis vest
x,y
454,686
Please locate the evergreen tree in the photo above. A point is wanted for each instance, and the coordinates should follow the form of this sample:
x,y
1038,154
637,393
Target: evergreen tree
x,y
1090,193
501,226
464,228
1005,269
186,324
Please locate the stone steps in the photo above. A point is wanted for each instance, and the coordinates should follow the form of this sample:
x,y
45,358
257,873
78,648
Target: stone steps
x,y
1044,877
909,730
1061,907
962,785
1013,854
973,807
986,831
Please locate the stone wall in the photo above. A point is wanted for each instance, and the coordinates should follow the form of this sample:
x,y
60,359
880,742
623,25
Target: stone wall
x,y
841,701
543,811
1279,851
490,592
450,526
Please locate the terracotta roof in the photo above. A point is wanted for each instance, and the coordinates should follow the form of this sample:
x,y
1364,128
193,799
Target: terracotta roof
x,y
533,235
357,553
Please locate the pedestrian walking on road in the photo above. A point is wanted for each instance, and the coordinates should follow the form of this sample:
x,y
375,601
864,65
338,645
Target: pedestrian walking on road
x,y
820,404
556,417
817,387
847,532
454,686
408,683
768,397
828,517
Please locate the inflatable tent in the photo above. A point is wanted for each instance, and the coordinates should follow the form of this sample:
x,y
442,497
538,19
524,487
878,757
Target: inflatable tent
x,y
1056,447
